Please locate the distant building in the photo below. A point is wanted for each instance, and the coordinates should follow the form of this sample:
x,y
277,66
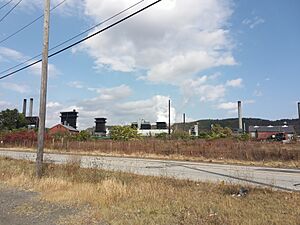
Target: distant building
x,y
100,127
150,130
62,129
69,118
269,132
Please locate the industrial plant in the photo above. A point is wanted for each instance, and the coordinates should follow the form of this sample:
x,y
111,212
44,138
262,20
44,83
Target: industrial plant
x,y
256,128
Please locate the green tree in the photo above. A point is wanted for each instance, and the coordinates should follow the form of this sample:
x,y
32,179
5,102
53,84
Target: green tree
x,y
12,119
83,136
217,131
124,133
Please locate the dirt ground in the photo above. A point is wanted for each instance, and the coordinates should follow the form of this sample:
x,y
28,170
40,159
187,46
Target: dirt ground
x,y
19,207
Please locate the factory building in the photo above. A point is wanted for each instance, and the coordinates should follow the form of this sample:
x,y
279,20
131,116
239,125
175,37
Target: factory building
x,y
272,132
62,129
150,130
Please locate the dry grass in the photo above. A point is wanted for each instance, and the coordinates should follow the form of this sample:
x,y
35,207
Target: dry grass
x,y
214,149
280,163
122,198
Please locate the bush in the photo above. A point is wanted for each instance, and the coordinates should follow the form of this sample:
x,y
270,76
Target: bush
x,y
19,136
181,135
82,136
124,133
163,136
244,137
219,132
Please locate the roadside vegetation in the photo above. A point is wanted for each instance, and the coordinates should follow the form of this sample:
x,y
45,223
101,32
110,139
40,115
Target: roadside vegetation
x,y
122,198
219,145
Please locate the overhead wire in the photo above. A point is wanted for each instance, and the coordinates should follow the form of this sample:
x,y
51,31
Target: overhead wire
x,y
84,39
74,37
2,18
5,4
29,24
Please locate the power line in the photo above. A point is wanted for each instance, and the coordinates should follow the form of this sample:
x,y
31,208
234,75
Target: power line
x,y
72,38
5,4
84,39
29,24
10,10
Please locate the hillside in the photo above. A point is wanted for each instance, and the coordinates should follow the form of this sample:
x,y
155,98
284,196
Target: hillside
x,y
232,123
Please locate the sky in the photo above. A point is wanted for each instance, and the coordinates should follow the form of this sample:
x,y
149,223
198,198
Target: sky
x,y
204,55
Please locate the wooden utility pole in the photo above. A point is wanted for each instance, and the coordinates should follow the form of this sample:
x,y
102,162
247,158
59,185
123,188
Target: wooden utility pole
x,y
43,92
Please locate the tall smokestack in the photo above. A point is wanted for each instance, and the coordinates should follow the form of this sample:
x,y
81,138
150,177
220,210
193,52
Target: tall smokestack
x,y
183,121
30,107
24,106
299,110
169,128
240,115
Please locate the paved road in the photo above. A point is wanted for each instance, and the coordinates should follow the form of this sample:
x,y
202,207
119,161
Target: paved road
x,y
284,179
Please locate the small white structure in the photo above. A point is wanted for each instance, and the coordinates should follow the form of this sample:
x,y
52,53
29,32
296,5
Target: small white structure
x,y
194,131
152,132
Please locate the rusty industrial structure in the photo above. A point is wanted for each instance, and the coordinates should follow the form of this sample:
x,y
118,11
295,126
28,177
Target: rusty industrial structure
x,y
69,118
100,128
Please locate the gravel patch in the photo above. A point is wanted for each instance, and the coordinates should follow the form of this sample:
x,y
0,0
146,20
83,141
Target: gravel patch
x,y
20,207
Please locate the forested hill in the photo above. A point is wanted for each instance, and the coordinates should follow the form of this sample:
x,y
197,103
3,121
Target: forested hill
x,y
204,125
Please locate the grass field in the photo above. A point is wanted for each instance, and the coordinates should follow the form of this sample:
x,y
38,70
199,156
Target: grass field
x,y
122,198
221,151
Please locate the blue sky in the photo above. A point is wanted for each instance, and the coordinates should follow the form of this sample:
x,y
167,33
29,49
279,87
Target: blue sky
x,y
203,54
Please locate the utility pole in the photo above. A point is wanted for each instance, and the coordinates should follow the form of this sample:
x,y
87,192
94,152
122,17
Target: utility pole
x,y
169,118
43,92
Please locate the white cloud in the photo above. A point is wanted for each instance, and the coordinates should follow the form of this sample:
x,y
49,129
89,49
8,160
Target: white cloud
x,y
76,84
252,23
172,41
202,89
232,107
53,105
227,105
20,88
8,54
53,71
152,109
67,8
235,83
109,94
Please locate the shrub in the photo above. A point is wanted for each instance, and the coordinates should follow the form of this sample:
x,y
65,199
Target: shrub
x,y
82,136
181,135
163,136
218,131
124,133
243,137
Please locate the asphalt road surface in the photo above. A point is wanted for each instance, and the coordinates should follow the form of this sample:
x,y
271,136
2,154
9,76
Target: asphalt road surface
x,y
278,178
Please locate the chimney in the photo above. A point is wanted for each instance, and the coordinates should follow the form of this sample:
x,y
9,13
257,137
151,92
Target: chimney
x,y
299,110
240,115
30,107
183,121
169,128
24,106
